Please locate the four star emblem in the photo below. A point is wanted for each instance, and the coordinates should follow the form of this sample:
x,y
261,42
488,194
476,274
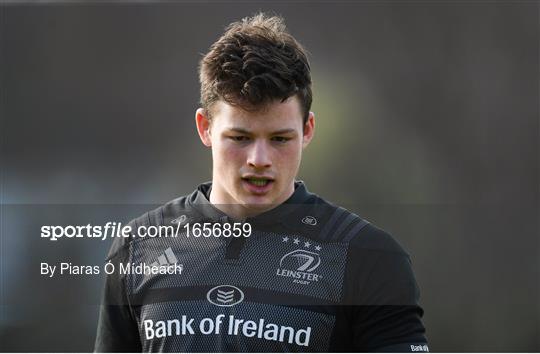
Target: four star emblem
x,y
296,241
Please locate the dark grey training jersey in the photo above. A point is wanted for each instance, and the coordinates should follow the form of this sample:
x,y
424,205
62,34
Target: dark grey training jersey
x,y
310,277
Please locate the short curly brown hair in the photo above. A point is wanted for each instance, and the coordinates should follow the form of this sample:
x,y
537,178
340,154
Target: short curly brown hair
x,y
254,63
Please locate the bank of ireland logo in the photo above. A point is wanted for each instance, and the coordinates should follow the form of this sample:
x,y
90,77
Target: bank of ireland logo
x,y
225,295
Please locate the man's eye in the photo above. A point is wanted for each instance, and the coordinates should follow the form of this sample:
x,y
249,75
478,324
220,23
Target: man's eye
x,y
280,139
239,138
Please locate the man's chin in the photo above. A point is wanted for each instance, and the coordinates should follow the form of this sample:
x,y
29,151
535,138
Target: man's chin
x,y
258,204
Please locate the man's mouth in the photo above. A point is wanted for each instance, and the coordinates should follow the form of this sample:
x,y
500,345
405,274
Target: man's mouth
x,y
258,184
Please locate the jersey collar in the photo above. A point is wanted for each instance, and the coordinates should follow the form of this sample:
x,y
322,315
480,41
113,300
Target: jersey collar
x,y
300,197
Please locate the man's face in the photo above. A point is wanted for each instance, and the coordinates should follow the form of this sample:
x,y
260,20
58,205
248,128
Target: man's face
x,y
256,155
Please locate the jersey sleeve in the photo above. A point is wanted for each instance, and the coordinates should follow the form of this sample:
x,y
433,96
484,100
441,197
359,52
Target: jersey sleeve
x,y
387,316
117,329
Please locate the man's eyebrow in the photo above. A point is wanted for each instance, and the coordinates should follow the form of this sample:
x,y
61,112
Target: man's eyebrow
x,y
239,130
284,131
277,132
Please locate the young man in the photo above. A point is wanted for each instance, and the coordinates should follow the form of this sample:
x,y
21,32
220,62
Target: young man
x,y
265,264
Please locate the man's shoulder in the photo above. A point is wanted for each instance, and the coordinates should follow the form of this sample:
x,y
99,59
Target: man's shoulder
x,y
341,225
171,213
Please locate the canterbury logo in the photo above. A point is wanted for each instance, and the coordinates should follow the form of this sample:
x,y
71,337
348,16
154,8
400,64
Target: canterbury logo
x,y
179,220
225,295
309,220
304,261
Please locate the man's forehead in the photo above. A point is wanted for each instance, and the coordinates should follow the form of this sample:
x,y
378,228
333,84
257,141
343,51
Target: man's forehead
x,y
277,112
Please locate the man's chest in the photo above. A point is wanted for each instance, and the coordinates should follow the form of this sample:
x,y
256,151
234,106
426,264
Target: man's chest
x,y
269,292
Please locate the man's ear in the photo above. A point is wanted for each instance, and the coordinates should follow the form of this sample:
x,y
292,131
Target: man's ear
x,y
309,130
203,126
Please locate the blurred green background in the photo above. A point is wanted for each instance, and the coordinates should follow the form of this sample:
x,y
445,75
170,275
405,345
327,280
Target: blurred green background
x,y
427,125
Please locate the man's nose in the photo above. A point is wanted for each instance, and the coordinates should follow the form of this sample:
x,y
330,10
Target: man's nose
x,y
259,155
